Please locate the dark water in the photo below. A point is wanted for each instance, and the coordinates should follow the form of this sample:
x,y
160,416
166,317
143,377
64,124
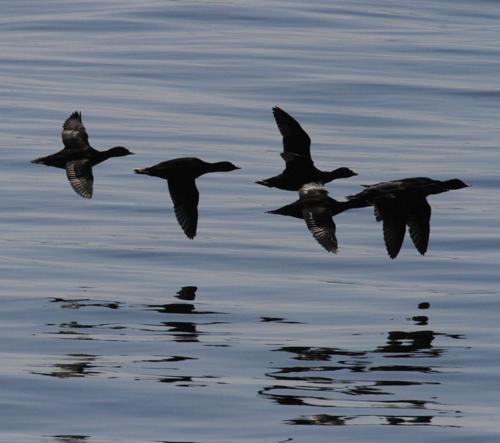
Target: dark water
x,y
279,341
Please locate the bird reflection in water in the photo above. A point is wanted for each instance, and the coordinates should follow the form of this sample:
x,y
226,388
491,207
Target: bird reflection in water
x,y
187,293
279,320
174,319
75,365
336,420
70,438
328,377
84,303
85,331
182,331
169,441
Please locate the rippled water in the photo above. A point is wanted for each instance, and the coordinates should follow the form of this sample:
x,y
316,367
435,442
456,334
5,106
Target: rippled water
x,y
116,328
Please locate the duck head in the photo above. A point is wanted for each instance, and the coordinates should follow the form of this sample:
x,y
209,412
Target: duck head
x,y
225,166
343,173
119,151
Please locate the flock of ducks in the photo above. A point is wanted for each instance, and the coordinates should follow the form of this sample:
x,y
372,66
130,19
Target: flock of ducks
x,y
398,203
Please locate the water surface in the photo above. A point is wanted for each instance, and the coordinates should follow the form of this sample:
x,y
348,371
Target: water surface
x,y
274,340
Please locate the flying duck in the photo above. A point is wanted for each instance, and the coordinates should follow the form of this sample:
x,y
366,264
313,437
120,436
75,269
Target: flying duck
x,y
78,157
401,203
299,168
181,174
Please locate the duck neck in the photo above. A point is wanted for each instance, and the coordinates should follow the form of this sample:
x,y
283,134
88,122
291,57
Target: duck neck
x,y
331,175
100,156
205,167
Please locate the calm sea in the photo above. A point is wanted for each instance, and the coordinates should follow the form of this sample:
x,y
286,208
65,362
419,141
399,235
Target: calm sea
x,y
105,338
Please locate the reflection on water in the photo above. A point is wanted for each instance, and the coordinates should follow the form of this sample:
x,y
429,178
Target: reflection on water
x,y
74,365
177,308
373,386
70,438
77,330
174,358
154,327
182,331
336,420
187,293
413,344
420,320
278,320
84,303
170,441
333,385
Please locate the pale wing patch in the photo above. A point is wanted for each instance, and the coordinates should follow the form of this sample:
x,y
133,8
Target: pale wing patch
x,y
322,227
74,134
80,177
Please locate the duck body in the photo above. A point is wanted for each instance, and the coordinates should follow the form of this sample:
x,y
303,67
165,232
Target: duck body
x,y
94,157
403,203
185,167
298,173
299,166
317,209
181,174
78,157
423,186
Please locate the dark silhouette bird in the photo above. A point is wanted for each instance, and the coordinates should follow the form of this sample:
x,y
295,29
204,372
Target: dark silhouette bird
x,y
78,156
299,168
402,203
181,174
317,210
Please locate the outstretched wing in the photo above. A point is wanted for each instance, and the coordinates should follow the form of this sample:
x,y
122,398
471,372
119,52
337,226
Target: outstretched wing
x,y
320,222
419,219
185,197
295,139
393,216
74,135
79,173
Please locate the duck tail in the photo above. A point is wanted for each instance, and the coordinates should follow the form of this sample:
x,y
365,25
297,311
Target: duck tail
x,y
264,183
39,161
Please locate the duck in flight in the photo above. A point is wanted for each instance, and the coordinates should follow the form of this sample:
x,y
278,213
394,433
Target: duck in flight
x,y
181,174
78,157
317,209
299,168
402,203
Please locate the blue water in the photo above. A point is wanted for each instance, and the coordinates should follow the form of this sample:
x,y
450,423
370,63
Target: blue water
x,y
283,342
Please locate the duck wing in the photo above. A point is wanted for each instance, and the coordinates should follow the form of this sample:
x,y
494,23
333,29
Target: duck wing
x,y
393,216
295,139
74,135
320,222
79,173
419,221
185,197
